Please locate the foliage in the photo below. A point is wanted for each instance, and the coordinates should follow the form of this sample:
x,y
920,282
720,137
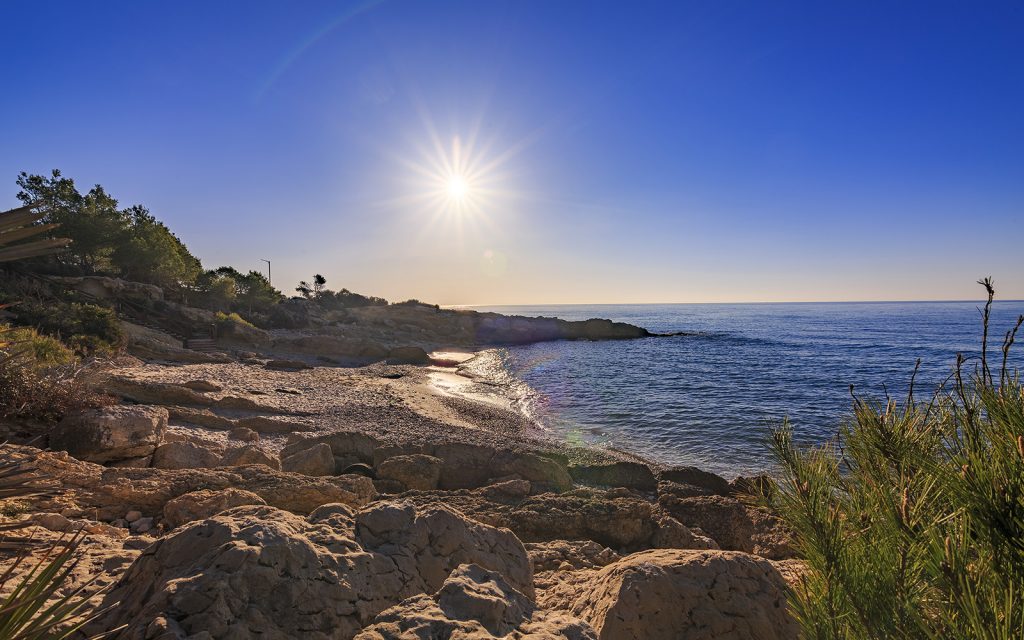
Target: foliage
x,y
43,351
226,289
333,300
40,606
89,327
19,225
130,243
912,523
227,322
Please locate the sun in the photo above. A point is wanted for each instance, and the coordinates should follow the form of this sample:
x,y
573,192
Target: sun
x,y
458,188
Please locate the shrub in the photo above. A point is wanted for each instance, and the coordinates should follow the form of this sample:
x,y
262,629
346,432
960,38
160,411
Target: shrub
x,y
43,351
88,327
227,322
911,523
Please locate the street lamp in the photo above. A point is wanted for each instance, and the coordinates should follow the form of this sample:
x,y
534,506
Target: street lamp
x,y
270,280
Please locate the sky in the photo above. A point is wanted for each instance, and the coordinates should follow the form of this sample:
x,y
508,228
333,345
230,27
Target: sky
x,y
535,152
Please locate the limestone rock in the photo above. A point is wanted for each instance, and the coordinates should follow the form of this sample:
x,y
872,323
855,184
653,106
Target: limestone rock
x,y
680,595
244,434
203,386
93,491
733,525
710,483
249,454
256,570
112,433
202,504
416,472
185,454
622,473
287,365
318,460
565,554
473,603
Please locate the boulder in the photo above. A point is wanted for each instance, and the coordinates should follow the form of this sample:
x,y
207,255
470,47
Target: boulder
x,y
732,524
680,595
244,434
474,603
542,471
621,473
202,504
185,454
414,472
258,571
112,433
710,483
249,454
318,460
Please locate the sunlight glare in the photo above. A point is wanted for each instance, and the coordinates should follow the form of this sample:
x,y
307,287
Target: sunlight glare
x,y
458,187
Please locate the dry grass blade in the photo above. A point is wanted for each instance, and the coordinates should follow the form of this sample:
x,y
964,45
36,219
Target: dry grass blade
x,y
19,224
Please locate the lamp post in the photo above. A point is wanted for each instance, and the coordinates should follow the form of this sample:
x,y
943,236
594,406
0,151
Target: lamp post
x,y
270,280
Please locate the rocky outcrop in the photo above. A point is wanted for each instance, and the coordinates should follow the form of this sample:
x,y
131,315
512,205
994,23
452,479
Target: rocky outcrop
x,y
418,472
249,454
202,504
679,595
619,473
317,460
474,603
110,434
733,524
408,355
627,523
261,571
91,490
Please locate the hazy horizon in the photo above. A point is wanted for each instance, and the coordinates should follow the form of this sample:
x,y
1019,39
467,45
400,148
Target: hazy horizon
x,y
517,153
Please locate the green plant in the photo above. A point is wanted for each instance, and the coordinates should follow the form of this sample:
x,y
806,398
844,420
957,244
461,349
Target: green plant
x,y
911,523
43,351
228,321
88,327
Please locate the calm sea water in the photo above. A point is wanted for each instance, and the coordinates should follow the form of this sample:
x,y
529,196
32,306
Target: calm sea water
x,y
708,399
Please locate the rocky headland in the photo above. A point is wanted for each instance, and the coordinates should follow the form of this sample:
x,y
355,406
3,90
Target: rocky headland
x,y
316,482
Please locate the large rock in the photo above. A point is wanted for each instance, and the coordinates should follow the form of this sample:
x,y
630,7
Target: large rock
x,y
258,571
317,460
408,355
112,433
416,472
733,525
105,493
707,482
622,473
474,603
680,595
202,504
185,454
625,523
249,454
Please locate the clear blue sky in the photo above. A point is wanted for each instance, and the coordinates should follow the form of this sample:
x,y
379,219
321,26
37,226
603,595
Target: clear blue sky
x,y
622,152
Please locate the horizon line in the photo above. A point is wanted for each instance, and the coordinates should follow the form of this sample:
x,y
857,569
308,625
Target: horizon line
x,y
637,304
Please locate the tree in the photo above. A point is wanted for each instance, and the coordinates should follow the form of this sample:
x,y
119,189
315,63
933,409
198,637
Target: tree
x,y
91,220
146,250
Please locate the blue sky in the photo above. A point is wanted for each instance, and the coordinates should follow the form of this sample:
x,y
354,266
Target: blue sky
x,y
617,152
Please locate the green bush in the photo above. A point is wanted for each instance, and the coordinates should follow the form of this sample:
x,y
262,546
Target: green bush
x,y
43,351
227,322
911,523
88,327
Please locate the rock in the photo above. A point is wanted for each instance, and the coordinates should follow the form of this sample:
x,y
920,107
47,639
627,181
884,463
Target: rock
x,y
52,521
200,417
408,355
318,460
185,454
262,424
680,595
577,554
93,491
249,454
582,514
709,482
287,365
157,393
136,463
732,524
416,472
112,433
132,516
259,571
244,434
142,525
514,488
199,505
473,603
203,386
289,390
622,473
543,471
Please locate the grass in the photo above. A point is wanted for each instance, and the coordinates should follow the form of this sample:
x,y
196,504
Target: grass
x,y
911,522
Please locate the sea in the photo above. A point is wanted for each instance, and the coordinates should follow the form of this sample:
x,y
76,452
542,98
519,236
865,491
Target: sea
x,y
710,396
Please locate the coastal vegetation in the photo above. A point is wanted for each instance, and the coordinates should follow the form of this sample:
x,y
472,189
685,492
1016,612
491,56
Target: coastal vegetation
x,y
911,523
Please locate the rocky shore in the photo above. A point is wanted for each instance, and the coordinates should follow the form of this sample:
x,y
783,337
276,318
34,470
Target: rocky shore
x,y
245,495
